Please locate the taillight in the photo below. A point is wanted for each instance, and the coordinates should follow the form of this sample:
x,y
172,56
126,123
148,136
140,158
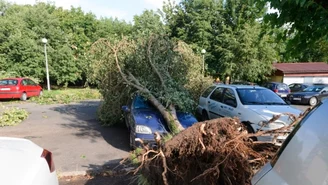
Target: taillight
x,y
48,157
275,90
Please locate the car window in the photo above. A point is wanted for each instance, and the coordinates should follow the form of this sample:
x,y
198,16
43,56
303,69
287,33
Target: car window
x,y
30,82
24,82
259,97
313,89
229,98
282,87
8,82
208,91
292,85
217,94
141,103
269,85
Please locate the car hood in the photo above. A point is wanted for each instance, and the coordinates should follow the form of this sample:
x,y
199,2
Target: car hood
x,y
20,161
268,111
304,93
155,121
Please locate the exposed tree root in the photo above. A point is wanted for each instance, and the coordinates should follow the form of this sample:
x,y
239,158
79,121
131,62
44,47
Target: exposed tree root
x,y
210,152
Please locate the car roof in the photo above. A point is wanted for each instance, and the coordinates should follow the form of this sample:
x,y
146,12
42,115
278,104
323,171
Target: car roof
x,y
13,78
235,86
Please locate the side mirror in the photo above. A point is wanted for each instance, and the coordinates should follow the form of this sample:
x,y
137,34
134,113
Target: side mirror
x,y
125,108
323,92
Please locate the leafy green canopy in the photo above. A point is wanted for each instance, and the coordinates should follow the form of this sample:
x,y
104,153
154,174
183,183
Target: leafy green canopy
x,y
70,34
304,24
231,33
153,66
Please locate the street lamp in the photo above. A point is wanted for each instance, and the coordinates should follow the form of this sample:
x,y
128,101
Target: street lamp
x,y
203,53
45,41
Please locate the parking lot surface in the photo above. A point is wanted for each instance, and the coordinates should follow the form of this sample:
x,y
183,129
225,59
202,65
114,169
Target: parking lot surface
x,y
72,133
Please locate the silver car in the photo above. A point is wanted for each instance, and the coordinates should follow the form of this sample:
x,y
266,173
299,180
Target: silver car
x,y
253,105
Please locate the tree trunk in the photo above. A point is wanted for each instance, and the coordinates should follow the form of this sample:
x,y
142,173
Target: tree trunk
x,y
170,117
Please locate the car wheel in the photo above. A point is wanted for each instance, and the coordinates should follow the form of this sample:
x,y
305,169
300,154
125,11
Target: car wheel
x,y
313,101
41,93
204,116
132,141
23,97
250,130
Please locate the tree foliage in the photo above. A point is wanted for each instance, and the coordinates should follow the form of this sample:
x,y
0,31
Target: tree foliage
x,y
304,23
70,34
164,71
231,33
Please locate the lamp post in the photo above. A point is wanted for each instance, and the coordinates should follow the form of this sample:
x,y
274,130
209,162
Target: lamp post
x,y
203,53
45,41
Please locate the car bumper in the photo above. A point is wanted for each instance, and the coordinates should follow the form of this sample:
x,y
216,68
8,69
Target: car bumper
x,y
9,95
296,100
145,139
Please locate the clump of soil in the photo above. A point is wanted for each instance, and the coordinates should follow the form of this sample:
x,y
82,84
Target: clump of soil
x,y
213,152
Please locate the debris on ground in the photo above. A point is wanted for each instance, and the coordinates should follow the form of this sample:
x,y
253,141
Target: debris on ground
x,y
218,151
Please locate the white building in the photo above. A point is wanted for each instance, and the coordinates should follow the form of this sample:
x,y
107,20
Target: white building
x,y
309,72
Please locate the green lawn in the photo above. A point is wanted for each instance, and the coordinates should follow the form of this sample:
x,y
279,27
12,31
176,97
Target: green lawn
x,y
66,96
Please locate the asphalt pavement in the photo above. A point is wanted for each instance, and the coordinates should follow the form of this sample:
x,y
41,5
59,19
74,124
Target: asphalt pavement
x,y
72,133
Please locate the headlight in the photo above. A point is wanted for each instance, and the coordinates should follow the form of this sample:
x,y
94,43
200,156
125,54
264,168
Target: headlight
x,y
261,123
141,129
273,125
306,97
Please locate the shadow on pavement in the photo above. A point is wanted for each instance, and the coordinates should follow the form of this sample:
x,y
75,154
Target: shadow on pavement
x,y
83,117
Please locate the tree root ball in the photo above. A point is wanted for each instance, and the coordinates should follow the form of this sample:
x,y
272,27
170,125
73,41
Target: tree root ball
x,y
212,152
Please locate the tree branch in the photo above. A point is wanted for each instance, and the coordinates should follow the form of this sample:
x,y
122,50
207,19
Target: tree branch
x,y
152,64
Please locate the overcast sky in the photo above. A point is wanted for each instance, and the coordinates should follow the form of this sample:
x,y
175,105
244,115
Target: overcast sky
x,y
122,9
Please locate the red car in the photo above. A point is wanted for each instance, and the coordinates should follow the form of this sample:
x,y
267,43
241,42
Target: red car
x,y
22,88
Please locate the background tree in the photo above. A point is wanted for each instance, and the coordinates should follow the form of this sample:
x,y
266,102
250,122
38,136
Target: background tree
x,y
304,23
231,33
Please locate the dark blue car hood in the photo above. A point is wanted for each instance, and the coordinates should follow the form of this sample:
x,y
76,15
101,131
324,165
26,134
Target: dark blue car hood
x,y
304,93
155,121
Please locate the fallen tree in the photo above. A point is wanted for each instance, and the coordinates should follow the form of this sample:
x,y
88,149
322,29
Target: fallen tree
x,y
218,151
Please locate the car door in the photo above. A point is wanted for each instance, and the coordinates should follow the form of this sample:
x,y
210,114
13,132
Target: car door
x,y
24,87
214,103
323,93
33,88
229,103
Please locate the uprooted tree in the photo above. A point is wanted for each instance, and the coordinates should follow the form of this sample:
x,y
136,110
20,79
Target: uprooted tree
x,y
166,72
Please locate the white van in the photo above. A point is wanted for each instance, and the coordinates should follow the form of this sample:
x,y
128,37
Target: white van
x,y
303,157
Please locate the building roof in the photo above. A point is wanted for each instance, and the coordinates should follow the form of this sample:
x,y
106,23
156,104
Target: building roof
x,y
303,67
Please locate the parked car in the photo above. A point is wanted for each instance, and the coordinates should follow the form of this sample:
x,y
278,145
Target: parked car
x,y
143,120
20,88
296,87
302,158
310,95
281,89
25,163
253,105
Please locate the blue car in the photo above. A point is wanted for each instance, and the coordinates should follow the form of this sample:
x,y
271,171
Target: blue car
x,y
143,120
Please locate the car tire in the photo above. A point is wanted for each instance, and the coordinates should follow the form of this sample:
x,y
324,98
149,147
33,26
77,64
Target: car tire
x,y
132,141
23,96
250,130
313,101
204,116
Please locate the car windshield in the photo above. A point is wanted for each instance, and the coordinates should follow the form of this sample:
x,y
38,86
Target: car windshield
x,y
313,89
8,82
141,103
259,97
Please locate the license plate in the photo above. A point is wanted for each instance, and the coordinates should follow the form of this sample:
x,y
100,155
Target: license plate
x,y
283,95
5,89
296,98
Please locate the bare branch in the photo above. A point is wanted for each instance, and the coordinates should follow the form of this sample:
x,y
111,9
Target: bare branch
x,y
152,64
